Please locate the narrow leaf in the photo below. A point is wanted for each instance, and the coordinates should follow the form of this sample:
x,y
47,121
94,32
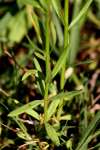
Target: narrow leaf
x,y
35,23
66,95
35,103
59,64
66,117
84,62
33,113
21,134
40,81
57,7
52,134
88,131
39,55
53,33
88,140
58,27
23,128
81,14
24,108
30,72
52,108
37,65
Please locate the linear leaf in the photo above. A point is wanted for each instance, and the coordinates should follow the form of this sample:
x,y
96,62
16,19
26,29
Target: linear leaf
x,y
24,108
23,129
52,134
59,64
21,134
35,22
59,30
84,62
40,81
88,131
35,103
57,7
30,72
53,33
81,14
52,108
92,136
33,45
66,95
66,117
37,65
33,113
39,55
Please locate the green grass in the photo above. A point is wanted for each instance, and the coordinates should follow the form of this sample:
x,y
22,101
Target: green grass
x,y
42,117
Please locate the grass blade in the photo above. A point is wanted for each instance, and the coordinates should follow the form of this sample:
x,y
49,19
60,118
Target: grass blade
x,y
81,14
84,146
88,131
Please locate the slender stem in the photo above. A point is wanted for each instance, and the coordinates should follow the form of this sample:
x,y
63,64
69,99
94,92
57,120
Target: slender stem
x,y
65,41
47,65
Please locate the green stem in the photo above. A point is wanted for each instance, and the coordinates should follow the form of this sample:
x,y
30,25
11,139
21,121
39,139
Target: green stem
x,y
47,65
65,41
